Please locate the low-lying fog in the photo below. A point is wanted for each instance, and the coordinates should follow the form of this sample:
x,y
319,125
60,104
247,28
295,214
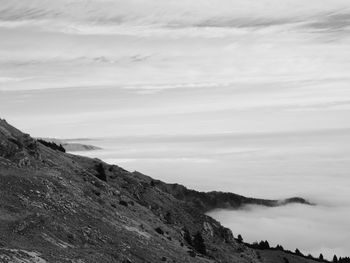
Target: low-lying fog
x,y
313,165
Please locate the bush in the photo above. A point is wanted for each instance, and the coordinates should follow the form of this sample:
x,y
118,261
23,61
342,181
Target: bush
x,y
168,218
279,247
122,202
187,237
264,244
198,243
159,231
101,174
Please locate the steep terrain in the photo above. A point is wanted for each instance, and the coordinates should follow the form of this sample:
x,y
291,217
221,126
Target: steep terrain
x,y
58,207
71,145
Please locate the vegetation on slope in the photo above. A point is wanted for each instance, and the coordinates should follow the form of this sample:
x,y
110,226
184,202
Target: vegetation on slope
x,y
58,207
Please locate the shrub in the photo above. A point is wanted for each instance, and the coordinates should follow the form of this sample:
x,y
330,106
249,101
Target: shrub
x,y
101,174
187,237
159,231
122,202
168,218
198,243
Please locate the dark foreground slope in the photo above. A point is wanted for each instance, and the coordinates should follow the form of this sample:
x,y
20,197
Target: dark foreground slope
x,y
58,207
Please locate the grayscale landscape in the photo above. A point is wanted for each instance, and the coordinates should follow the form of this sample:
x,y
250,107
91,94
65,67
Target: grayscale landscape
x,y
126,124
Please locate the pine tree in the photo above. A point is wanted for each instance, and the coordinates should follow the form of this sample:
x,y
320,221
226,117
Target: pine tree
x,y
239,238
335,259
279,247
320,257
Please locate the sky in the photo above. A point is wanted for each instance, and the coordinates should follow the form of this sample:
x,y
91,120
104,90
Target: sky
x,y
143,67
246,90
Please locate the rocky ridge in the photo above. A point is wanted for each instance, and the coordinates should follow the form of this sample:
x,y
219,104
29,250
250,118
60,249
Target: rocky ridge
x,y
59,207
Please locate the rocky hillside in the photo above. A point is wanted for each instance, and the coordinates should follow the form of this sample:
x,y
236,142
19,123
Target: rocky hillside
x,y
72,145
206,201
58,207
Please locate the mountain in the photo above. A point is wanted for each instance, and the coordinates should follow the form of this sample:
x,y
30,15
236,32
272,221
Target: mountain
x,y
59,207
70,146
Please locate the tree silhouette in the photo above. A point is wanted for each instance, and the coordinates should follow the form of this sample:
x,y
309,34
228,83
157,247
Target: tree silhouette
x,y
168,218
335,259
187,237
198,243
239,238
101,174
264,244
320,257
279,247
52,145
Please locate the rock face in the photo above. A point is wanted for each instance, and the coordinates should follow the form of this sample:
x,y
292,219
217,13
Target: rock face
x,y
17,147
54,208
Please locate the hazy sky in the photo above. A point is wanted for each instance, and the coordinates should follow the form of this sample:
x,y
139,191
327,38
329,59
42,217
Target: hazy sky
x,y
255,92
149,67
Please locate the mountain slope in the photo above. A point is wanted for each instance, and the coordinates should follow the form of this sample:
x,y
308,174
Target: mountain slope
x,y
58,207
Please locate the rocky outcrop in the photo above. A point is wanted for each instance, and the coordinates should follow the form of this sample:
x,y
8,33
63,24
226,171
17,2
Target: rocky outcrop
x,y
16,146
206,201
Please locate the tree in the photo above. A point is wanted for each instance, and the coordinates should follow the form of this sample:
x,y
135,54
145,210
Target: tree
x,y
198,243
264,244
279,247
187,237
335,259
239,238
168,219
320,257
267,245
101,174
297,251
